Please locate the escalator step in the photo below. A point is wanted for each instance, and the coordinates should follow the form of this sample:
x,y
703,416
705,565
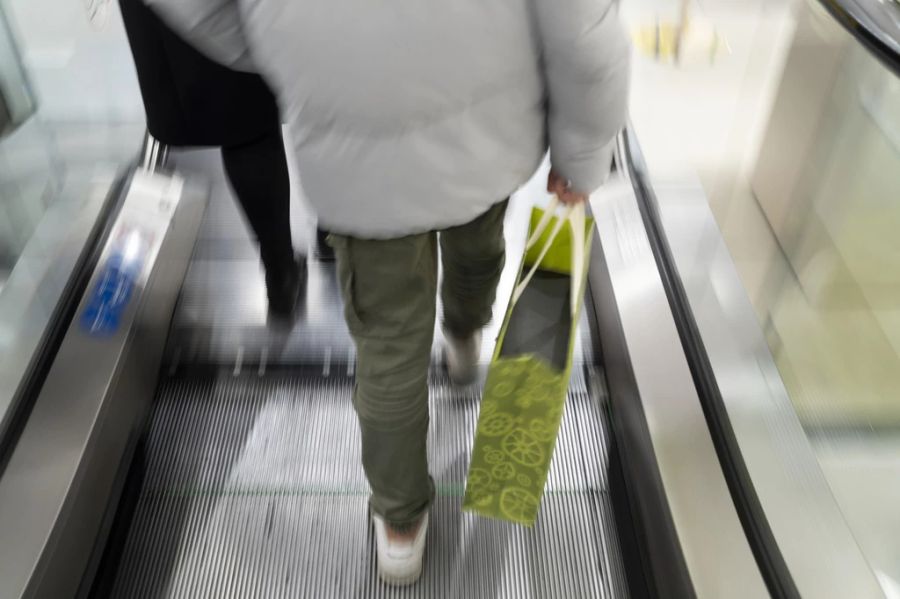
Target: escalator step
x,y
253,488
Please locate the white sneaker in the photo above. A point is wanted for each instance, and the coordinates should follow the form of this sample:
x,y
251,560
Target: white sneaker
x,y
399,562
462,357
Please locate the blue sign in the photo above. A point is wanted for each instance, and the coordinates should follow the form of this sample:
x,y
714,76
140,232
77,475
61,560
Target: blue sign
x,y
110,296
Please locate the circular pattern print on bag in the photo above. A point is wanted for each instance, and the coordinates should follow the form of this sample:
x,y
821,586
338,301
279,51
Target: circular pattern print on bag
x,y
523,448
518,504
496,424
504,471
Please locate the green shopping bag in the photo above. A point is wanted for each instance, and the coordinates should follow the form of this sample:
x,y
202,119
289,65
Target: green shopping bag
x,y
525,392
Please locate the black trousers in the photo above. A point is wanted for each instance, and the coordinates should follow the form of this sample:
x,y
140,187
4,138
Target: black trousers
x,y
191,100
258,174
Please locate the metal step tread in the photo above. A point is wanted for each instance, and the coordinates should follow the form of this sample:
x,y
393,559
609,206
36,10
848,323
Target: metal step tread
x,y
253,488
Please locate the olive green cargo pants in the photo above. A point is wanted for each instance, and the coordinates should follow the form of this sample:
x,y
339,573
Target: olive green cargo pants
x,y
389,289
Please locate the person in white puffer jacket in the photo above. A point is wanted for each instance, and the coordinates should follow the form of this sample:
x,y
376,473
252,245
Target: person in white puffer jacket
x,y
413,122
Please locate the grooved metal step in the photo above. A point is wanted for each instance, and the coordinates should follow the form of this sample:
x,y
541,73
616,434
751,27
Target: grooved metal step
x,y
253,488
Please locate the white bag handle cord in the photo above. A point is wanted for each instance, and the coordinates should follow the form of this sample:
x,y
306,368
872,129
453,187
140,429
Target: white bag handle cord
x,y
574,215
577,218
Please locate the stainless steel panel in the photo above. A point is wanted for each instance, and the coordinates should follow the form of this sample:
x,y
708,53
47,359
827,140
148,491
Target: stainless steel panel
x,y
29,298
154,154
55,489
254,488
818,546
716,552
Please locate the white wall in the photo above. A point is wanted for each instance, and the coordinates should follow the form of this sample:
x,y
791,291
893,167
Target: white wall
x,y
79,71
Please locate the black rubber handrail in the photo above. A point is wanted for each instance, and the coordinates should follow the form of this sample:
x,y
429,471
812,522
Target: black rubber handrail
x,y
756,527
63,313
880,36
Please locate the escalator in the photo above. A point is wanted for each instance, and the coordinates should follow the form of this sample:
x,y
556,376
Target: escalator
x,y
194,449
160,438
252,487
248,481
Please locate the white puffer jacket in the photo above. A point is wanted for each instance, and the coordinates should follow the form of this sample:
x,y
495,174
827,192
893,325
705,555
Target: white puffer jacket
x,y
414,115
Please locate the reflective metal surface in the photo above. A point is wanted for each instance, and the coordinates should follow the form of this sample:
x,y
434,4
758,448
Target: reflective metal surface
x,y
795,496
874,23
718,558
794,137
30,294
253,487
63,472
154,154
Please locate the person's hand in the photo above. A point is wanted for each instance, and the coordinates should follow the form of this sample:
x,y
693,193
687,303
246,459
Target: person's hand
x,y
563,190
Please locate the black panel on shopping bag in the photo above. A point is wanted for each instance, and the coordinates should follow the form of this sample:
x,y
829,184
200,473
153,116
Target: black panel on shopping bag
x,y
541,322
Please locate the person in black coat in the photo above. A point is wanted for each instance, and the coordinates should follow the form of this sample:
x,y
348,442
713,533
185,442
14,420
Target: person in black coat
x,y
191,100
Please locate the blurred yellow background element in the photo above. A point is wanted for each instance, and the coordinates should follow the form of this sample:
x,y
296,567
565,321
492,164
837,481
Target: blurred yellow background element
x,y
686,41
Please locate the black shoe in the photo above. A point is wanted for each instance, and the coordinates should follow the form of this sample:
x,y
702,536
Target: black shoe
x,y
324,252
286,288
